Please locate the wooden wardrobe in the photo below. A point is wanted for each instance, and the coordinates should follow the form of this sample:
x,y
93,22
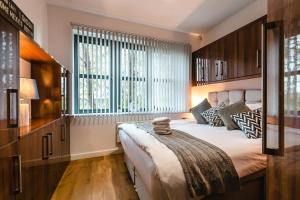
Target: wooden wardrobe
x,y
34,157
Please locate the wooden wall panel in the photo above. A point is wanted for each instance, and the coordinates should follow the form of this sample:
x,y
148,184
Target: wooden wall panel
x,y
48,78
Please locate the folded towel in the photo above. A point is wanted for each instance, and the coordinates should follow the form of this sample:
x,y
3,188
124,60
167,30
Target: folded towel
x,y
161,126
163,132
161,129
161,120
161,123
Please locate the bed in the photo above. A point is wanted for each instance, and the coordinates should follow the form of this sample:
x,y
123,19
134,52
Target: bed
x,y
245,154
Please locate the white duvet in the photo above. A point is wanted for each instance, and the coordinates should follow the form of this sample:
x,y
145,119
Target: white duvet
x,y
245,153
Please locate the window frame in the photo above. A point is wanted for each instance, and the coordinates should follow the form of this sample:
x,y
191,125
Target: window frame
x,y
114,82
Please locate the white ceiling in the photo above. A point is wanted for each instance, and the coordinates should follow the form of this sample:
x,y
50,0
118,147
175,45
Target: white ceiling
x,y
191,16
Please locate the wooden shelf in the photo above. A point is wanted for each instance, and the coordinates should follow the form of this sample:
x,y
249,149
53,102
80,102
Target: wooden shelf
x,y
31,51
36,124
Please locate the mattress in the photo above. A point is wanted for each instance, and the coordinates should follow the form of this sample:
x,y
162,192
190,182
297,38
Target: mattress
x,y
246,154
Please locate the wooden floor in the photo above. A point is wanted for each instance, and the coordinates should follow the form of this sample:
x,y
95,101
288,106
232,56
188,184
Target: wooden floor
x,y
103,178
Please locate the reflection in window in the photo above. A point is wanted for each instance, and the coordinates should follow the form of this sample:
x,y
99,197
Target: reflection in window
x,y
292,76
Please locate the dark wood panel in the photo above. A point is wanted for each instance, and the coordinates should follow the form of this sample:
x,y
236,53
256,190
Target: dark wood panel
x,y
283,172
239,52
48,81
252,187
8,177
36,124
9,75
231,55
31,51
43,161
8,135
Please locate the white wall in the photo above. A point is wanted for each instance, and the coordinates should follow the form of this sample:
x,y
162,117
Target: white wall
x,y
36,11
60,31
236,21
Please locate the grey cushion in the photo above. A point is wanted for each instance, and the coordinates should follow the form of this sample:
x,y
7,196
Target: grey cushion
x,y
226,112
201,107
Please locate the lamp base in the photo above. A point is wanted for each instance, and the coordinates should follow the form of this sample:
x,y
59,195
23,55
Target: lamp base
x,y
24,114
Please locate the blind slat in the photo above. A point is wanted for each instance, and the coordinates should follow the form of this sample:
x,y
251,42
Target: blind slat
x,y
125,73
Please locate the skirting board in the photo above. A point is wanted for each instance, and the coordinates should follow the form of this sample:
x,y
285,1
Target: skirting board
x,y
106,152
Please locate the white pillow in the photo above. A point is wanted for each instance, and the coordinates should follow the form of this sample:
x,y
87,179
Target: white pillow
x,y
254,106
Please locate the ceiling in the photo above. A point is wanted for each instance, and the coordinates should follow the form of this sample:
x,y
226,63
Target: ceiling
x,y
191,16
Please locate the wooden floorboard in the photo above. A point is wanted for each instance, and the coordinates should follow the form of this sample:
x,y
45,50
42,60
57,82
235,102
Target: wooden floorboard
x,y
103,178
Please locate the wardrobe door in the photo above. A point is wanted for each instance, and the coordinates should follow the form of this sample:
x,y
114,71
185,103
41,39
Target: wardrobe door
x,y
230,55
281,121
34,149
10,173
9,75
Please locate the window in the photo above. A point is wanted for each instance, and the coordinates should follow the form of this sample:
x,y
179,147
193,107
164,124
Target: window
x,y
122,73
292,76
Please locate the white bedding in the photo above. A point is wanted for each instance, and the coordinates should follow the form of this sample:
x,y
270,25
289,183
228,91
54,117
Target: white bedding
x,y
157,164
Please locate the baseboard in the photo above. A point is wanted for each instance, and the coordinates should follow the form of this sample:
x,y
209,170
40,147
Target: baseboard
x,y
93,154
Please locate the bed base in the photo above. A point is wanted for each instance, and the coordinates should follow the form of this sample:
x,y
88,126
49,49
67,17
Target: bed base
x,y
252,186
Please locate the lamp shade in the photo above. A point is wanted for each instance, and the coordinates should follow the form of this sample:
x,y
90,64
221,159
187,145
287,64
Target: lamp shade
x,y
28,89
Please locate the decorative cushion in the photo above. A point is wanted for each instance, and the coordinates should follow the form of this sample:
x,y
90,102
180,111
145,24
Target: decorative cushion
x,y
211,115
249,123
254,106
197,110
235,108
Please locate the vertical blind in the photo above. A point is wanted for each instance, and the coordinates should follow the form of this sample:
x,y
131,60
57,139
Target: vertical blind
x,y
292,76
117,73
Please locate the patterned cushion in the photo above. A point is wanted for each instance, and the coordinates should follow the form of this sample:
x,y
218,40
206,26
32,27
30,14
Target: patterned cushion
x,y
197,110
226,112
249,123
211,115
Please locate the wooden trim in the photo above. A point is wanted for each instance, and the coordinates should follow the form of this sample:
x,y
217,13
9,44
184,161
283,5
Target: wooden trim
x,y
31,51
289,121
36,124
231,80
280,88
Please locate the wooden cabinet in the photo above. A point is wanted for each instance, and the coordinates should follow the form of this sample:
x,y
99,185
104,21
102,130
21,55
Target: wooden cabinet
x,y
231,55
249,49
235,56
281,89
45,154
10,175
32,158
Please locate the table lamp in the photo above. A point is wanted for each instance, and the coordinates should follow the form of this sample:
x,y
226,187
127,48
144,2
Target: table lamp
x,y
28,91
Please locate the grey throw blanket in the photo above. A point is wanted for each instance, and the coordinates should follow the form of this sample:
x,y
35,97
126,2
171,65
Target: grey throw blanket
x,y
207,168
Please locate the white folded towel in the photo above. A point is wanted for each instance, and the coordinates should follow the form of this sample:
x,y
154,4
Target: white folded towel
x,y
157,129
161,120
163,132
